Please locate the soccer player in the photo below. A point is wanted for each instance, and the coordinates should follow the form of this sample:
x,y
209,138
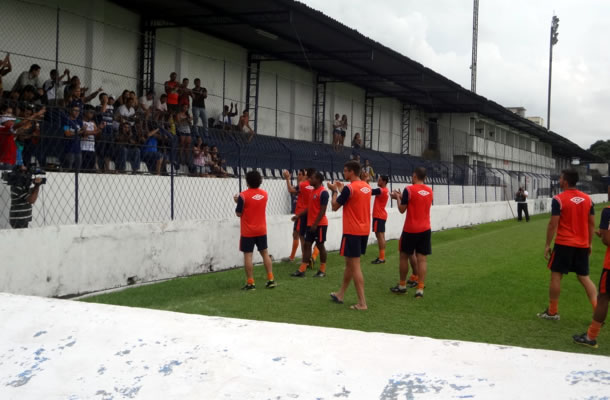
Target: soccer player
x,y
251,209
589,338
380,215
572,224
317,224
303,191
356,201
416,200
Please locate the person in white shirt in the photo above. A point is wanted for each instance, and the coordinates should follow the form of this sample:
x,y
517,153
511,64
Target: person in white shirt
x,y
87,143
54,87
127,112
146,102
521,199
161,106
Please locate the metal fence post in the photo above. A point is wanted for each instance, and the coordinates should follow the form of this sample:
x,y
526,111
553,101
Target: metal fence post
x,y
76,196
172,193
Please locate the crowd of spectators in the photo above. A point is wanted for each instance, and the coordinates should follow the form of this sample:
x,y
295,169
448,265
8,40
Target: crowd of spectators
x,y
105,137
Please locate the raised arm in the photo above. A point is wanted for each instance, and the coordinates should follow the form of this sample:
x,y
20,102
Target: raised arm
x,y
336,200
291,189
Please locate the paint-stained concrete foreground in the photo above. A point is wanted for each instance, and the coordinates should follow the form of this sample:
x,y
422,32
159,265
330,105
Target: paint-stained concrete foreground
x,y
59,349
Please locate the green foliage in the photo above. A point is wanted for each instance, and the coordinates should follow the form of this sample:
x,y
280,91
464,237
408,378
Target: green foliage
x,y
485,284
601,148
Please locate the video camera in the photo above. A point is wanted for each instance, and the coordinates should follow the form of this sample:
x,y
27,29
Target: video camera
x,y
23,177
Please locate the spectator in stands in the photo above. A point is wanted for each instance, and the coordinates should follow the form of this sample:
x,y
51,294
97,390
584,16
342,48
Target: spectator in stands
x,y
337,132
244,125
183,129
105,140
127,111
368,168
217,162
199,94
122,99
73,130
161,107
150,136
111,102
146,102
27,129
29,95
31,77
343,129
87,143
200,162
75,97
357,141
5,68
53,88
171,89
8,148
224,119
185,94
127,149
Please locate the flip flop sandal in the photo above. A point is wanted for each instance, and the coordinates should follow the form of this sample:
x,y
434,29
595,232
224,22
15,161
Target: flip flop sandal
x,y
335,298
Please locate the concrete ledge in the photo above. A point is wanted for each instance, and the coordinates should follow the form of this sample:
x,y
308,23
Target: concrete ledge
x,y
74,350
75,259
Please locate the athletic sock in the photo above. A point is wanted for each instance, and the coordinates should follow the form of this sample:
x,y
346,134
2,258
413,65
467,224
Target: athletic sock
x,y
303,267
315,254
413,278
382,254
323,267
270,276
594,329
295,247
402,284
553,306
420,285
250,281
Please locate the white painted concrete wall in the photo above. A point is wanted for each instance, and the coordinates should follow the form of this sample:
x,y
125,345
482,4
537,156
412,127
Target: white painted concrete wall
x,y
77,259
76,350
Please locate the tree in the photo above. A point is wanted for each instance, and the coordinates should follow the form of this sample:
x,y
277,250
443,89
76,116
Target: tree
x,y
601,148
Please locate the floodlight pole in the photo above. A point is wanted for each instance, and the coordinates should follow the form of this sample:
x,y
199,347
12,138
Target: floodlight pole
x,y
553,41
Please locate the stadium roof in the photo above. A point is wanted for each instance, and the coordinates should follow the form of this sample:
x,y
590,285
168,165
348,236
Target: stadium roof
x,y
291,31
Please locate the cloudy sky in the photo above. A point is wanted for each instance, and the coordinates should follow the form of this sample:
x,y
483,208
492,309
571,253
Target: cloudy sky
x,y
512,54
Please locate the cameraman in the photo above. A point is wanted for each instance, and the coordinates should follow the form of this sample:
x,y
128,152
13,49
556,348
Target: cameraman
x,y
521,199
23,195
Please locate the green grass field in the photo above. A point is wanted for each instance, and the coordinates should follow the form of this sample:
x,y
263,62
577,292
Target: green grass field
x,y
485,284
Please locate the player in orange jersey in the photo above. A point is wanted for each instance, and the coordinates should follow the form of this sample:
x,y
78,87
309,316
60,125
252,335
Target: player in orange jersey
x,y
355,199
380,215
572,224
317,225
252,209
589,338
416,200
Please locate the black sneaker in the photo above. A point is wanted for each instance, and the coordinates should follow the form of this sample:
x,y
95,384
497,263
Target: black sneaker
x,y
585,341
398,290
378,261
249,287
298,274
545,315
270,284
319,274
419,294
411,284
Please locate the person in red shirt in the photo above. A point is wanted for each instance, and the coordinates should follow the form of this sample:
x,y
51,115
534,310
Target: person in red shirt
x,y
251,209
172,88
589,338
8,147
355,199
303,192
317,225
416,200
572,224
380,215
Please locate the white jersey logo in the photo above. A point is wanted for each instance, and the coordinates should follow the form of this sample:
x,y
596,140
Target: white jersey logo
x,y
258,197
423,193
365,190
577,200
309,187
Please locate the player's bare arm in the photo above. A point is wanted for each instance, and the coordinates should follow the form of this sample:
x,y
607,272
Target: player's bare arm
x,y
299,215
591,232
291,189
398,197
235,198
321,215
550,234
604,234
334,188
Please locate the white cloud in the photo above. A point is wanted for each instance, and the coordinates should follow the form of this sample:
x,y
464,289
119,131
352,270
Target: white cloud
x,y
512,54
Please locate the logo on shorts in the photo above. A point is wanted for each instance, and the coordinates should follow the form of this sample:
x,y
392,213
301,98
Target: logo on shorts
x,y
258,197
577,200
423,193
365,190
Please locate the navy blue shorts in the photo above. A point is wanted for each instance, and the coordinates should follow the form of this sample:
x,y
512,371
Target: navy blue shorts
x,y
353,245
319,236
378,225
246,244
420,243
565,259
300,225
